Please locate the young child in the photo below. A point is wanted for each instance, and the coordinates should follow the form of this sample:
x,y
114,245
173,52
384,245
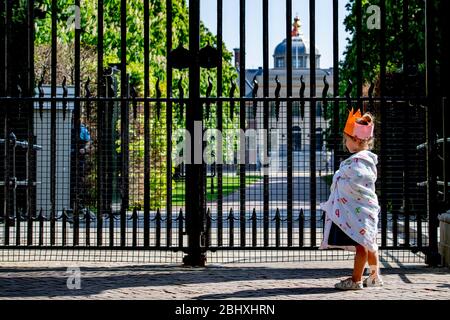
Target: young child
x,y
352,209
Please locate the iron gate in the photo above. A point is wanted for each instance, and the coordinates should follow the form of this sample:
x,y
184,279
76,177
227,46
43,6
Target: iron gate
x,y
124,191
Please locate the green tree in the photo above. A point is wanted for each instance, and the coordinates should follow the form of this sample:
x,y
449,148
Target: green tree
x,y
135,67
396,43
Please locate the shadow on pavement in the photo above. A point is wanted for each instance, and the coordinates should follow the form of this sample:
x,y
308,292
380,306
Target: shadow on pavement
x,y
30,282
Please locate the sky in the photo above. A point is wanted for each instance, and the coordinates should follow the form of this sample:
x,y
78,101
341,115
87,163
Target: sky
x,y
277,12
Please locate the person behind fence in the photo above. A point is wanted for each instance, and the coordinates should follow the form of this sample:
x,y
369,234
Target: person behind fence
x,y
352,209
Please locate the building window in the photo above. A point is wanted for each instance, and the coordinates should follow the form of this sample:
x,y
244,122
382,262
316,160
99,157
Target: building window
x,y
279,62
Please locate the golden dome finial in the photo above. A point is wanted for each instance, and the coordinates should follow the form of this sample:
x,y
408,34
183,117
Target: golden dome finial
x,y
296,27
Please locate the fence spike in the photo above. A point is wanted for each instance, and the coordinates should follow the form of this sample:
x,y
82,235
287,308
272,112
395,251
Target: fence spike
x,y
277,96
254,215
302,95
133,94
41,95
158,97
277,227
348,92
208,94
254,219
87,94
158,215
64,95
232,91
277,215
181,93
231,215
19,93
324,96
370,94
180,228
254,95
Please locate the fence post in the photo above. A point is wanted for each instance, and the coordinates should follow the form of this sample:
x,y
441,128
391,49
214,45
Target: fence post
x,y
433,257
194,171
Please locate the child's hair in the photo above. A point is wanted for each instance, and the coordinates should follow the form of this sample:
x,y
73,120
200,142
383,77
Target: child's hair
x,y
366,119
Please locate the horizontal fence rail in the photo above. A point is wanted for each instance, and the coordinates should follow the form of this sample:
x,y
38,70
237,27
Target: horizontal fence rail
x,y
260,228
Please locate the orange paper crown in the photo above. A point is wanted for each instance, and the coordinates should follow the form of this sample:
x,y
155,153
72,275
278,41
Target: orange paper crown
x,y
354,129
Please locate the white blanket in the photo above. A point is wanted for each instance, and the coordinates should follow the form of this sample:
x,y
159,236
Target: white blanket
x,y
353,203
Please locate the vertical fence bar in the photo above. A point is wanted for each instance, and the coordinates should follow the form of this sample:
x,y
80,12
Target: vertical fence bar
x,y
15,211
158,228
312,149
54,61
3,47
64,228
445,155
30,126
406,174
395,228
195,188
180,229
277,228
77,128
419,229
242,111
336,136
100,107
147,129
219,119
169,111
88,228
208,229
383,200
359,71
431,92
289,117
6,92
41,228
266,119
125,121
134,219
301,228
231,228
254,228
111,227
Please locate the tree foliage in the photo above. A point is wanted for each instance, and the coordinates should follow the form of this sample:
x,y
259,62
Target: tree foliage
x,y
135,67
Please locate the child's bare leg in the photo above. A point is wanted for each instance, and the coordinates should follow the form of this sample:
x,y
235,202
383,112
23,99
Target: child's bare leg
x,y
372,259
360,263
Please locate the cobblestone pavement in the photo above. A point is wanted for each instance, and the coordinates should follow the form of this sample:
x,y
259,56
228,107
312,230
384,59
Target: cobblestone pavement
x,y
286,281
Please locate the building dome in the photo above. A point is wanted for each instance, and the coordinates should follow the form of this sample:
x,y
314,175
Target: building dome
x,y
298,47
300,50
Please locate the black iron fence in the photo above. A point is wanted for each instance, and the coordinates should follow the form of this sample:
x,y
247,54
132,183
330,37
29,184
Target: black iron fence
x,y
100,169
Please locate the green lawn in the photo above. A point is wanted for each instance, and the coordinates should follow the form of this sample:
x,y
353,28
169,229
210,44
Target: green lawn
x,y
230,185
